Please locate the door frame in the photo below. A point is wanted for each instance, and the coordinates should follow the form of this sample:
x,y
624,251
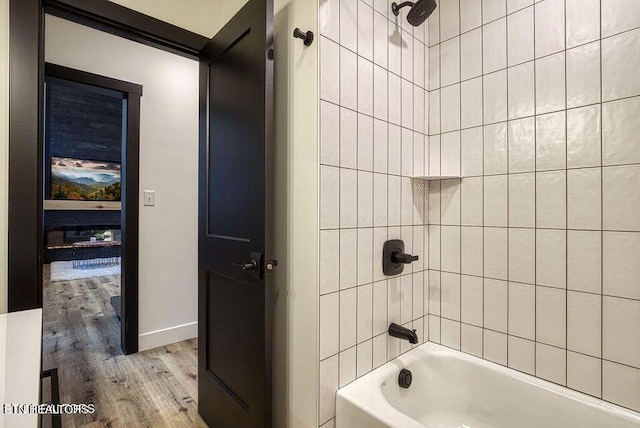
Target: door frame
x,y
129,211
26,104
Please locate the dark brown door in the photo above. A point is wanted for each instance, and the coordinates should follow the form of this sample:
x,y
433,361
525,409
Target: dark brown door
x,y
234,321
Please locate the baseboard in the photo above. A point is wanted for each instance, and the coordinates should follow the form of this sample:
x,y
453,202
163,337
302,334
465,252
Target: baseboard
x,y
153,339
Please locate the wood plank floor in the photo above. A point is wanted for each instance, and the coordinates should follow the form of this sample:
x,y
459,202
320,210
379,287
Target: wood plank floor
x,y
81,338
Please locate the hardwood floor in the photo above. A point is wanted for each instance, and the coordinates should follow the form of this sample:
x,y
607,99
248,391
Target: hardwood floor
x,y
81,338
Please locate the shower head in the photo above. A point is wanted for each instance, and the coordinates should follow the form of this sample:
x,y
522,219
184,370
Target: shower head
x,y
419,12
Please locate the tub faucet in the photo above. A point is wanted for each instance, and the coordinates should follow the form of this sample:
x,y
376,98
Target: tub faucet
x,y
401,332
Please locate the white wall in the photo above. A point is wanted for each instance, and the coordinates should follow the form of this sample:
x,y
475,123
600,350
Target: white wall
x,y
168,165
4,147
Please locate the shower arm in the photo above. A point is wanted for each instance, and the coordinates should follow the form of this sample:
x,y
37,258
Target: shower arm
x,y
395,7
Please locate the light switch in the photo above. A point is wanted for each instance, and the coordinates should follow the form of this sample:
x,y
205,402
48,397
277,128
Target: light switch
x,y
149,198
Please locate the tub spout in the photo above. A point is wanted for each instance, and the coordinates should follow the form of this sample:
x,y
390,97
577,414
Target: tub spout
x,y
396,330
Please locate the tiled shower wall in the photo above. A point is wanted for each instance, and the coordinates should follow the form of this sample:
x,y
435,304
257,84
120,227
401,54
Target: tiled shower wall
x,y
373,125
534,256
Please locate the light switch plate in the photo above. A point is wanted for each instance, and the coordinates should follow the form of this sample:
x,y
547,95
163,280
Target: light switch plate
x,y
149,198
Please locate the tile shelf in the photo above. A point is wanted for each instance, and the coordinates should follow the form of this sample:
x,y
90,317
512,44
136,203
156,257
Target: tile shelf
x,y
437,177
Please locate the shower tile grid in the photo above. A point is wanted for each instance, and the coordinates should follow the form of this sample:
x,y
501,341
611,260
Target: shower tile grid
x,y
534,259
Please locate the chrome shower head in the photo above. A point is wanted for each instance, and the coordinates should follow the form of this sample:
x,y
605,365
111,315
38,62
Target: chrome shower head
x,y
419,12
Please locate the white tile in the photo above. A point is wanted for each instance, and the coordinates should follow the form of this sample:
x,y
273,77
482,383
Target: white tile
x,y
513,5
450,295
434,68
394,48
472,201
549,27
551,316
551,258
329,261
434,329
584,261
418,296
583,21
551,363
329,134
450,202
329,17
522,255
329,70
619,15
495,200
550,83
522,310
495,252
328,387
395,95
620,321
522,355
522,146
380,148
395,150
329,424
348,138
472,152
379,200
379,238
621,197
419,112
418,154
449,19
365,257
493,9
407,152
495,149
365,313
471,94
407,202
347,366
521,91
364,358
472,303
365,199
620,64
406,296
522,200
584,198
365,142
450,154
349,25
583,75
450,105
620,125
379,350
407,56
551,199
584,373
450,331
495,305
433,30
621,264
348,269
434,112
329,333
393,300
470,14
380,26
520,36
348,79
471,340
407,104
495,97
365,31
494,46
450,61
495,347
551,141
394,216
472,242
620,385
434,202
418,64
348,198
347,318
450,248
584,322
583,137
329,197
471,54
434,293
380,101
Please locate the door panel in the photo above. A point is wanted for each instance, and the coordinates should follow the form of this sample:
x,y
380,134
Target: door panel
x,y
234,316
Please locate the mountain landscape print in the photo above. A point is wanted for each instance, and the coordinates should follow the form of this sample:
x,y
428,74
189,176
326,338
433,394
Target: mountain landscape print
x,y
84,180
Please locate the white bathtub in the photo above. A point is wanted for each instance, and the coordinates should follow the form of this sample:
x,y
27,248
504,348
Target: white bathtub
x,y
451,389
